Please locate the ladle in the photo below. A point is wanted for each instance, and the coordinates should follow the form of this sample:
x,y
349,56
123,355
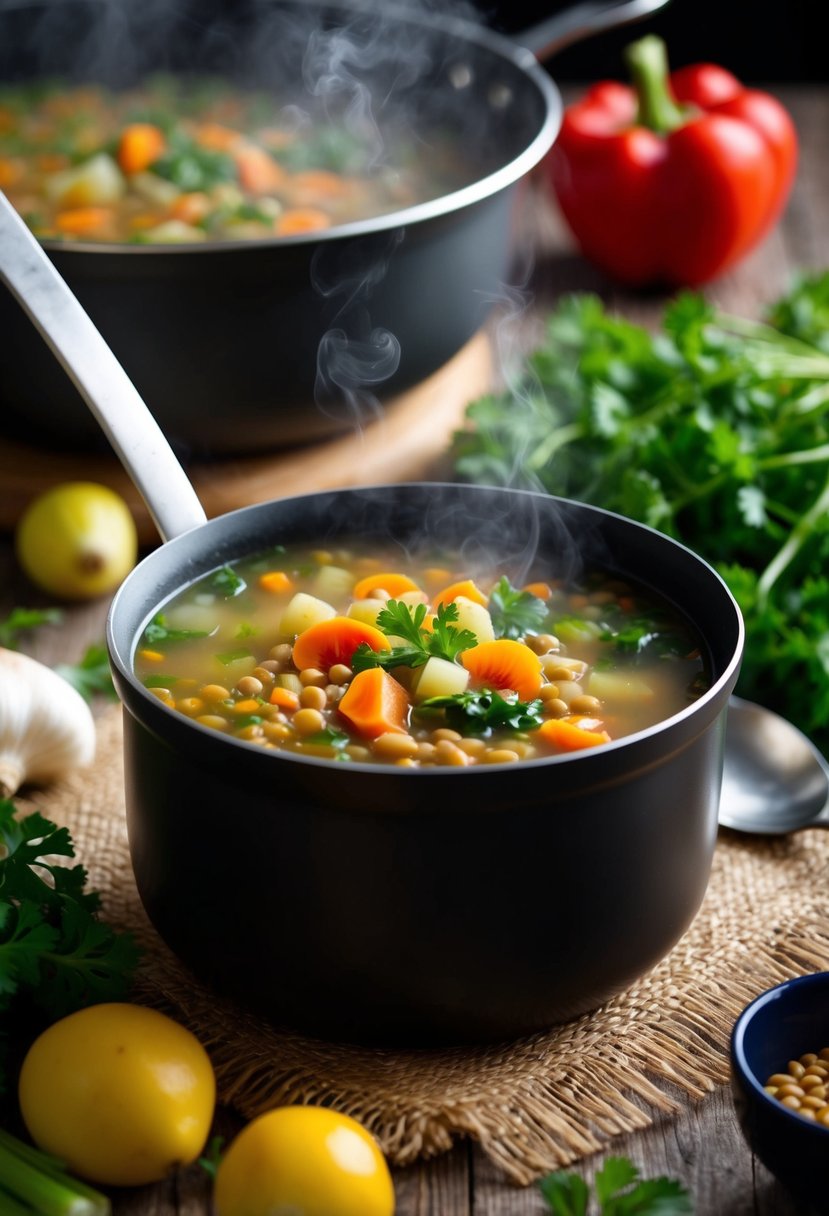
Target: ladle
x,y
774,780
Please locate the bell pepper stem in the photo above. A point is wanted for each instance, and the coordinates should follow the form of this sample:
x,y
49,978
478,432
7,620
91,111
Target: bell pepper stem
x,y
658,109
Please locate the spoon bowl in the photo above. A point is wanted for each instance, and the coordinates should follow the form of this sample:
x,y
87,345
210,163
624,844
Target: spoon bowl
x,y
774,779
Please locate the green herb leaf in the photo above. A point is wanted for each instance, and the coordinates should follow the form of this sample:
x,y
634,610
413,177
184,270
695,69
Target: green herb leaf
x,y
481,712
21,620
567,1194
515,613
158,631
399,620
619,1192
92,675
228,583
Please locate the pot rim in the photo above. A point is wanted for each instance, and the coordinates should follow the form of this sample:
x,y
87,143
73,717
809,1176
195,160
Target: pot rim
x,y
459,29
585,757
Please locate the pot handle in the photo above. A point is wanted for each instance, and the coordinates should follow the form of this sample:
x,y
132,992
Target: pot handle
x,y
582,21
135,435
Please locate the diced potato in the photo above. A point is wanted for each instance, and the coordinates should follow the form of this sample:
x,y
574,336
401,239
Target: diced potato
x,y
568,689
413,598
231,673
475,617
289,680
440,678
92,183
175,232
154,189
302,611
618,687
201,617
333,583
574,632
366,610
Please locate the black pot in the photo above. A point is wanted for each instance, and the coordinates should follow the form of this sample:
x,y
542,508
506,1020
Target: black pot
x,y
394,905
244,346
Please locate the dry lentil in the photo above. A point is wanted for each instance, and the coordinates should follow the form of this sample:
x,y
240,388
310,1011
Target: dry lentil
x,y
801,1087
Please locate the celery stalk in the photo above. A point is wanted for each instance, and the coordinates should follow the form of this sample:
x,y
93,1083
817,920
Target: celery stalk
x,y
34,1182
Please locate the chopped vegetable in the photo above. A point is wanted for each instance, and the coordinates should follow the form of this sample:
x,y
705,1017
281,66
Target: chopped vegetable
x,y
33,1182
140,145
55,952
467,588
334,641
515,613
505,664
566,734
619,1190
479,712
399,620
714,430
389,582
374,703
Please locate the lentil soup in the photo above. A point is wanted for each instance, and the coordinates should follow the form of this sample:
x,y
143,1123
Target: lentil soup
x,y
352,655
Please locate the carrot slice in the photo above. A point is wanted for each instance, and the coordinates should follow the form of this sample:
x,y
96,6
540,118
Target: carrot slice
x,y
395,584
276,581
258,171
467,588
505,664
334,641
568,735
543,591
375,704
285,698
84,221
140,145
301,219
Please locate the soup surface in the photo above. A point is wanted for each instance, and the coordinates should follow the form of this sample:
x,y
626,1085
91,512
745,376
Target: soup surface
x,y
351,656
185,161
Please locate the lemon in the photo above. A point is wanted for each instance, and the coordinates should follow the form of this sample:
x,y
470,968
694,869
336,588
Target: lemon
x,y
77,540
120,1092
307,1160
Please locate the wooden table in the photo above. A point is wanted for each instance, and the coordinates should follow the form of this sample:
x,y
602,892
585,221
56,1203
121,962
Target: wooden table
x,y
703,1147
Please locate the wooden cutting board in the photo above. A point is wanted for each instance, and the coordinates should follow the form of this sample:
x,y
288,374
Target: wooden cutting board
x,y
408,441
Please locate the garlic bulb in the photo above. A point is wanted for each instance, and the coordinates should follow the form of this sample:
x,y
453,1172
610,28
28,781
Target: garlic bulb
x,y
46,727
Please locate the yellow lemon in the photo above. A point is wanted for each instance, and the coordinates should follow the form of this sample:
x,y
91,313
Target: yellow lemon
x,y
121,1093
306,1161
77,540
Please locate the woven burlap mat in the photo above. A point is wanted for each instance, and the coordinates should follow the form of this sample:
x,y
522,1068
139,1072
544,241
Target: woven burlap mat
x,y
533,1105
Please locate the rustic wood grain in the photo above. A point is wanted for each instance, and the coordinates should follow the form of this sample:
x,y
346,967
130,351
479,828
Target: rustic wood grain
x,y
703,1147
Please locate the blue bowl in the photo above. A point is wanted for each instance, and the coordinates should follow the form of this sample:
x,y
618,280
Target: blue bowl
x,y
780,1025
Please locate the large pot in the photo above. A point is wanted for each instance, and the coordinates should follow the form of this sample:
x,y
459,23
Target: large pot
x,y
424,905
245,346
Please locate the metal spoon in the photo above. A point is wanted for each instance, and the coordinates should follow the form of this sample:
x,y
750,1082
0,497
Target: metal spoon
x,y
774,779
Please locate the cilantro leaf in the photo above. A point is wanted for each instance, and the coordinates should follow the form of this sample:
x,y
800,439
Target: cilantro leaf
x,y
159,631
21,620
399,620
515,613
619,1192
91,675
228,583
480,712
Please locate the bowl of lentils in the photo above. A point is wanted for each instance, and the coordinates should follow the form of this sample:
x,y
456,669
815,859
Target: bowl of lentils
x,y
780,1083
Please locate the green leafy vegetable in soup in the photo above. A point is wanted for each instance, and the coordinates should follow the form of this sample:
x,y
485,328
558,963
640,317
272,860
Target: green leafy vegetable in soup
x,y
350,656
183,161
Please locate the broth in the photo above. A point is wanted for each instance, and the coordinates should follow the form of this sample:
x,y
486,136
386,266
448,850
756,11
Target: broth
x,y
183,161
350,655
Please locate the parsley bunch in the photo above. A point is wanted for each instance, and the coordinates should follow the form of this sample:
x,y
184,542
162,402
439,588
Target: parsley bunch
x,y
714,430
398,620
56,955
619,1192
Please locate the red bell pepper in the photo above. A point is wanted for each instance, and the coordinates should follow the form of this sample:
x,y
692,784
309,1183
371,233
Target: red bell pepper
x,y
671,181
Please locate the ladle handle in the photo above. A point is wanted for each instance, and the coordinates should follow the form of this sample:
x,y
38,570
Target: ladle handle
x,y
582,21
111,396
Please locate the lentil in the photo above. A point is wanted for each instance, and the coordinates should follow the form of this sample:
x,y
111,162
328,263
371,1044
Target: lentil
x,y
801,1087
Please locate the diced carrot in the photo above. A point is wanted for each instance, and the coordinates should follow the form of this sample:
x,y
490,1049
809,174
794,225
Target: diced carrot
x,y
84,221
334,641
276,581
394,584
11,171
190,208
217,137
285,698
436,576
467,588
140,145
248,706
319,182
568,735
504,664
258,171
542,590
151,656
375,704
301,219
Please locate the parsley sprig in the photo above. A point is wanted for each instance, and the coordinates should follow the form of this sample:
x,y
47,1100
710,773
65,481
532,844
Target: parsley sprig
x,y
481,711
399,620
619,1191
515,613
